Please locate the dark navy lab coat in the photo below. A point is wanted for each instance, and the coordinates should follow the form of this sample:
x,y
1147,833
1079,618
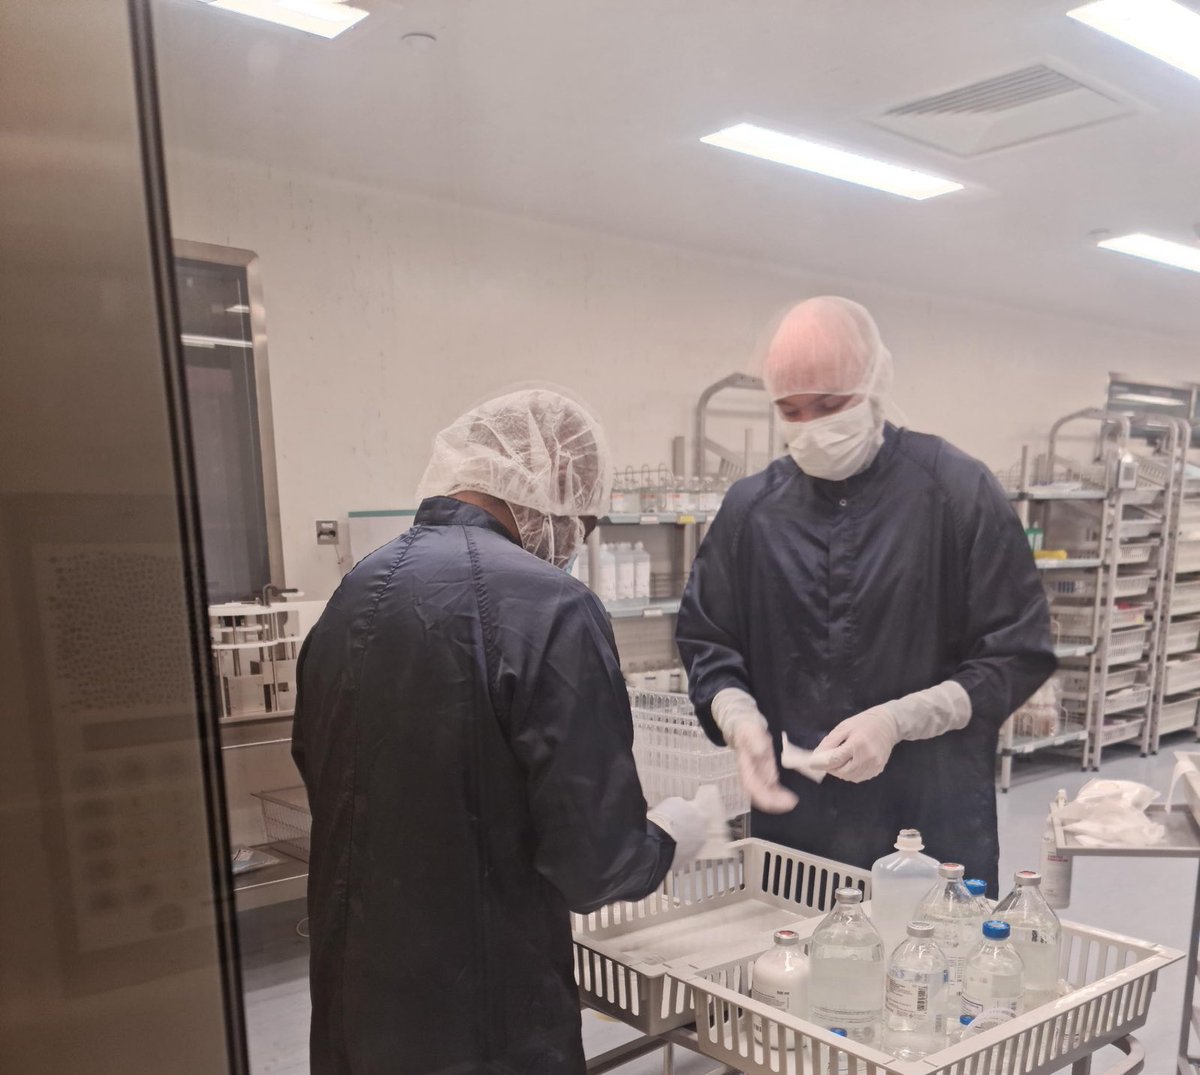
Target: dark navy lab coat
x,y
464,733
822,599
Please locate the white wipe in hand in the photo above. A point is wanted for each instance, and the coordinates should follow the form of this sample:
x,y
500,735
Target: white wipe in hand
x,y
808,763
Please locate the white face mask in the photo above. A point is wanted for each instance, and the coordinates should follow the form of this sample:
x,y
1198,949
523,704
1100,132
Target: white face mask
x,y
840,445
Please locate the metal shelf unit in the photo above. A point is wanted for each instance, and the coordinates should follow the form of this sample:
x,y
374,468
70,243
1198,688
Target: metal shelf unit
x,y
1176,705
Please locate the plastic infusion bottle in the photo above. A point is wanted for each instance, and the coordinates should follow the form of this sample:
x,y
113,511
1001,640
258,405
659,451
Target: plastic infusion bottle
x,y
994,977
641,574
898,884
956,920
1036,936
914,1008
846,971
1055,868
625,572
780,980
619,500
606,585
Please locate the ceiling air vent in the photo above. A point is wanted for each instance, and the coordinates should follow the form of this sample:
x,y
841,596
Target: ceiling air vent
x,y
1004,111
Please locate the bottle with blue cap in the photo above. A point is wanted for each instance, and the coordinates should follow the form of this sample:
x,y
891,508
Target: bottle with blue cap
x,y
994,976
978,889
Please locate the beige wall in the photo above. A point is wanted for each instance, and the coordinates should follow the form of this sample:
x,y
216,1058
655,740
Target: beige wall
x,y
388,315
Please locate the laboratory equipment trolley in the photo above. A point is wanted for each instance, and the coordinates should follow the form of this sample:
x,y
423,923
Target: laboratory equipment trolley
x,y
678,966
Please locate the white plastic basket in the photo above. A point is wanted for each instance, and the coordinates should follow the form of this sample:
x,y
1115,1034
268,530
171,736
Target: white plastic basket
x,y
1138,553
1120,731
1183,637
1178,715
1137,523
1127,646
674,756
1075,680
1187,557
1115,702
1183,675
1185,598
1113,980
623,952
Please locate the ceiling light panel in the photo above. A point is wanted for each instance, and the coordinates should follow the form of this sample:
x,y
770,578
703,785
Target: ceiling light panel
x,y
825,160
325,18
1163,28
1165,252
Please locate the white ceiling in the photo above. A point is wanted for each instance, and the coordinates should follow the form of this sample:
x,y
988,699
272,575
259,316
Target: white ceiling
x,y
589,111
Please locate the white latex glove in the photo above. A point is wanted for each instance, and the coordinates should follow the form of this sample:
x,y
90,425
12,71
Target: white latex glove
x,y
745,729
861,745
686,822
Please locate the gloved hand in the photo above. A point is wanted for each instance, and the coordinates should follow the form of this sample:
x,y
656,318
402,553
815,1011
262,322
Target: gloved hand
x,y
862,744
745,730
686,822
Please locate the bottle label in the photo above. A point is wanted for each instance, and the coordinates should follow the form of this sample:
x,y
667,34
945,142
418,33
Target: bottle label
x,y
619,503
910,994
774,998
859,1023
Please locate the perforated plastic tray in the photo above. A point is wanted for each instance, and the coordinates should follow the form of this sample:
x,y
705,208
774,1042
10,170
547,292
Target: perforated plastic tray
x,y
700,914
1113,977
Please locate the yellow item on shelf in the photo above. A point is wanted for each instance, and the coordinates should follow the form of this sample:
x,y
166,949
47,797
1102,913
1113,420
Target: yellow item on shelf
x,y
1050,554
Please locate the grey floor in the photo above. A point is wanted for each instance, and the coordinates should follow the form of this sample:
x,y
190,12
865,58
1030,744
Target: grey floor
x,y
1144,898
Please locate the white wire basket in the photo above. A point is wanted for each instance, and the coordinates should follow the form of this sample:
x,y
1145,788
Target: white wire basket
x,y
1183,637
1075,681
624,952
1187,557
674,756
1114,702
1112,980
1178,715
1138,523
1136,552
1185,598
1120,731
1127,646
1083,584
1183,675
1066,473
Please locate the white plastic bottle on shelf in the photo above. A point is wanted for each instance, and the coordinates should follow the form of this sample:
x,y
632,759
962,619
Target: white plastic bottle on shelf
x,y
846,971
914,1008
956,920
625,572
619,499
780,980
1036,935
606,584
898,884
1055,868
994,978
641,574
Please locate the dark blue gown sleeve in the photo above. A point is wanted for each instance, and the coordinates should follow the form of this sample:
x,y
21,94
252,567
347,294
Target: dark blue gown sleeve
x,y
571,729
706,631
1007,647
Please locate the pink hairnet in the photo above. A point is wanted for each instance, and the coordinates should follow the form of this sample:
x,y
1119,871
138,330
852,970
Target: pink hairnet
x,y
827,346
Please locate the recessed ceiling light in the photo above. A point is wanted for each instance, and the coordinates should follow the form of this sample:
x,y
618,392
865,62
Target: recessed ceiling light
x,y
1140,245
825,160
240,308
325,18
1163,28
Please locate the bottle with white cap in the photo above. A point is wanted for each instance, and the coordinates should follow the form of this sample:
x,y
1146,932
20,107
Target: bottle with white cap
x,y
780,980
914,1008
1055,868
898,883
956,919
1036,936
846,970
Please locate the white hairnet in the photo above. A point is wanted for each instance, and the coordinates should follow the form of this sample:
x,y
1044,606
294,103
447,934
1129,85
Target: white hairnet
x,y
827,346
540,452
